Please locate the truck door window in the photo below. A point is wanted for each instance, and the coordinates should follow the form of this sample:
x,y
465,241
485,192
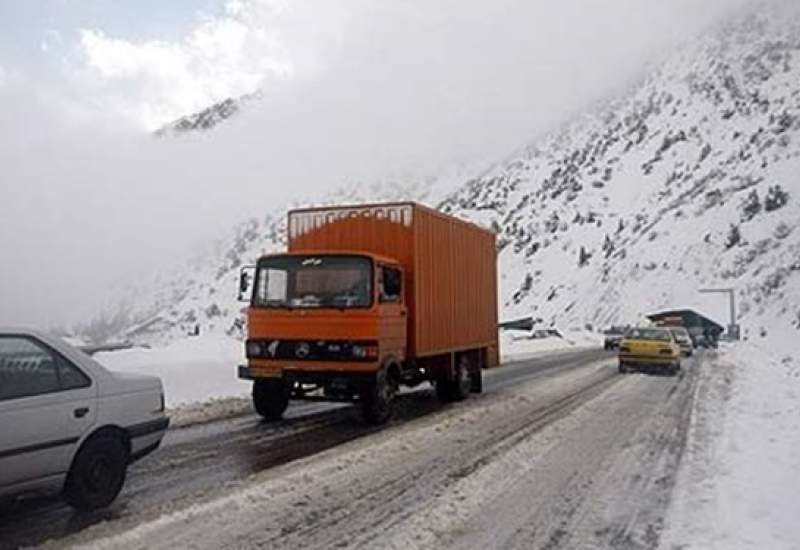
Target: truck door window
x,y
391,284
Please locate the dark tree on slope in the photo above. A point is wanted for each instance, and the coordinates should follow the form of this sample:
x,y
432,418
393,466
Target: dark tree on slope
x,y
776,198
583,257
751,206
734,237
608,246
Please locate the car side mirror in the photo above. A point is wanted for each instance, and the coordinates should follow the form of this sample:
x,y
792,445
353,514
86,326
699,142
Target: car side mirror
x,y
246,277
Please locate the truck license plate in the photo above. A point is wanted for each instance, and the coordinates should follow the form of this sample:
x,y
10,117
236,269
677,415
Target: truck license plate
x,y
266,372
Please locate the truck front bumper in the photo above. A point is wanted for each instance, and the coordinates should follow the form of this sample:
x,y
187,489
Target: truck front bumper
x,y
320,373
305,370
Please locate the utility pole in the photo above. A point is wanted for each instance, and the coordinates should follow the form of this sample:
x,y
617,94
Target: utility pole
x,y
734,331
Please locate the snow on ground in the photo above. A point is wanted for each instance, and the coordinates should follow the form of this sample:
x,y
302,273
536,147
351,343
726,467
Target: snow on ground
x,y
739,484
192,369
200,377
518,346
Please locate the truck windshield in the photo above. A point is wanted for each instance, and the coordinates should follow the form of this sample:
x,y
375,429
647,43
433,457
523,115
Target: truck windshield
x,y
314,282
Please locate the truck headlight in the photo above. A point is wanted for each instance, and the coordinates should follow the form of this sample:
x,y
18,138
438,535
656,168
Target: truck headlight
x,y
364,352
254,349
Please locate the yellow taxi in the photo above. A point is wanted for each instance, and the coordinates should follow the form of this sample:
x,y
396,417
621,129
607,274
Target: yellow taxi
x,y
649,348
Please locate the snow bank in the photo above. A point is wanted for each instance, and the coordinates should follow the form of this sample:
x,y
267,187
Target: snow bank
x,y
739,484
192,369
517,346
203,368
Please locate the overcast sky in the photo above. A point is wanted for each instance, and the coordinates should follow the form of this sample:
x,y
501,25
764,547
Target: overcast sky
x,y
352,90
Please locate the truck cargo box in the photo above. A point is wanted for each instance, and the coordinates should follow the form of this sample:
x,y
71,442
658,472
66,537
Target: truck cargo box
x,y
450,268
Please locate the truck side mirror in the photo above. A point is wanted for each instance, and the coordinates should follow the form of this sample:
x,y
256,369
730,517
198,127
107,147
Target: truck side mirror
x,y
246,277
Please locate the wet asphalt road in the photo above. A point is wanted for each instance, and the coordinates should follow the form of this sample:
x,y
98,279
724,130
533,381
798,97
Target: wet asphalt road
x,y
196,462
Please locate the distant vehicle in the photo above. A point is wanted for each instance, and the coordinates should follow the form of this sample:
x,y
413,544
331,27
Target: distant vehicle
x,y
701,339
649,349
613,337
67,424
369,298
543,333
683,339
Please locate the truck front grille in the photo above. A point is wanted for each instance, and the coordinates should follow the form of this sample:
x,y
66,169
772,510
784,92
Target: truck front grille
x,y
313,350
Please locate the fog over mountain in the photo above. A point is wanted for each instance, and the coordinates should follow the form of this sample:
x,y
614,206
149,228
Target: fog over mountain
x,y
686,181
365,93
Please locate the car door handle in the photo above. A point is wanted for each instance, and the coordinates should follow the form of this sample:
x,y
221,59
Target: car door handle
x,y
81,412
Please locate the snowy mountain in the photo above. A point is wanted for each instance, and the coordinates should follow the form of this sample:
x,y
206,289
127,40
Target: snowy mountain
x,y
199,296
209,117
691,181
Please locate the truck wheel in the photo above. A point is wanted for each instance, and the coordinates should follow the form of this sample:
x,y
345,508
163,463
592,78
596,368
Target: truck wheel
x,y
476,379
377,398
462,383
623,368
270,397
443,390
97,473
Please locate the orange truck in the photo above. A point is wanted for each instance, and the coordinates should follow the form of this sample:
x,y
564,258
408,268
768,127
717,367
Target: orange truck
x,y
368,299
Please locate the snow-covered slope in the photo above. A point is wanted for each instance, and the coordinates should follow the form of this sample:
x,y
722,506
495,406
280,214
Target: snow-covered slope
x,y
691,181
198,297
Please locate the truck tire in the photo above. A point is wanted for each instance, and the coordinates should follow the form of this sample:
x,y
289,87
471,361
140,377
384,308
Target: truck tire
x,y
462,381
623,368
270,397
377,398
476,379
443,390
97,473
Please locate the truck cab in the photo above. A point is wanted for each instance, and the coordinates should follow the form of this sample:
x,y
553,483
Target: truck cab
x,y
322,324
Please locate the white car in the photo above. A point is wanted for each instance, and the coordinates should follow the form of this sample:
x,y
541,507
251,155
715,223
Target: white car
x,y
684,340
69,424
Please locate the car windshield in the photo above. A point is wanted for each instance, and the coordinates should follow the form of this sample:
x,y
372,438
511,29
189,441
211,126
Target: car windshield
x,y
655,334
314,282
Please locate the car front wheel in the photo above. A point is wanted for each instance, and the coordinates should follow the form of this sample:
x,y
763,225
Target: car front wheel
x,y
98,473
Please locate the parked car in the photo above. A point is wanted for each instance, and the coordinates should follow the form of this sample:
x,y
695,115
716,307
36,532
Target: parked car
x,y
683,339
68,424
649,349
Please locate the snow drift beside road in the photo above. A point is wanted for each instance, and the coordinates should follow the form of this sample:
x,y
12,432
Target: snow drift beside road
x,y
739,483
192,369
203,368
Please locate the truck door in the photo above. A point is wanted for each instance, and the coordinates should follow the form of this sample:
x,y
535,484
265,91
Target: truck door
x,y
394,314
